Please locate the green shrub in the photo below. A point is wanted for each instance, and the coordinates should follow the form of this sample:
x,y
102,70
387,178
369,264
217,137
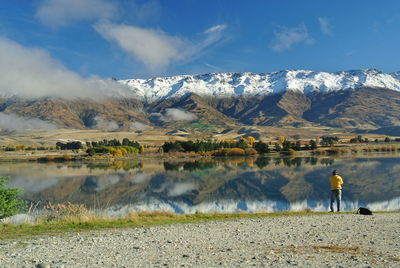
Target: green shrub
x,y
10,203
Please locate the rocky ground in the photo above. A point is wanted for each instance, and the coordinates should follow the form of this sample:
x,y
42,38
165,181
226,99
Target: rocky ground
x,y
331,240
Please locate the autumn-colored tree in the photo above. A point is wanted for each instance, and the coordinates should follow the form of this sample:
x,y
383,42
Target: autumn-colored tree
x,y
141,148
281,139
229,140
250,151
236,151
250,140
20,147
123,151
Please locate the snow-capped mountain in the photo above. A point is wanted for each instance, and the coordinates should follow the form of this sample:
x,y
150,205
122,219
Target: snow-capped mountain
x,y
250,84
228,100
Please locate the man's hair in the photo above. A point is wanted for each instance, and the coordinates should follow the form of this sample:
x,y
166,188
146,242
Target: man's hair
x,y
334,172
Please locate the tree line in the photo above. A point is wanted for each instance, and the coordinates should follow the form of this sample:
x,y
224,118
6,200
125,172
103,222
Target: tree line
x,y
114,147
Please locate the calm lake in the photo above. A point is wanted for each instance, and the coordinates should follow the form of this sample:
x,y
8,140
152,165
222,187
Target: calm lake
x,y
213,185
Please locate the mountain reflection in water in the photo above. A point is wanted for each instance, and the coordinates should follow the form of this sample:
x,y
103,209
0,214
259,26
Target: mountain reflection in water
x,y
212,185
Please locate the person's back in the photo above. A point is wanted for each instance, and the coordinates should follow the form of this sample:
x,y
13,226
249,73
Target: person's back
x,y
336,189
336,182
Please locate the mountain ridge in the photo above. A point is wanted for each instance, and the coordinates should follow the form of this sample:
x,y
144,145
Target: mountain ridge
x,y
251,84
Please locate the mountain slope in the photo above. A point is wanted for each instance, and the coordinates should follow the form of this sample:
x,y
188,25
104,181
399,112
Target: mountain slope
x,y
79,113
358,99
363,108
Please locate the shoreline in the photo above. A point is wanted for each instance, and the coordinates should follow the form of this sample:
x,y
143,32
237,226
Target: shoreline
x,y
69,156
138,219
305,240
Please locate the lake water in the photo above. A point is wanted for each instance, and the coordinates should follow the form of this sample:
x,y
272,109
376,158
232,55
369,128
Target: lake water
x,y
217,185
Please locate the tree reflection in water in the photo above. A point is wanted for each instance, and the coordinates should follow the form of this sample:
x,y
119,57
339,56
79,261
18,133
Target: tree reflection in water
x,y
261,162
222,184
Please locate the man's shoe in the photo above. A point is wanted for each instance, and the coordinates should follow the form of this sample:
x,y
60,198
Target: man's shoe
x,y
330,210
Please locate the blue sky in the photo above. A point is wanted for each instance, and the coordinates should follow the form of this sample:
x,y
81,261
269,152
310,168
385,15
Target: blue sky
x,y
141,39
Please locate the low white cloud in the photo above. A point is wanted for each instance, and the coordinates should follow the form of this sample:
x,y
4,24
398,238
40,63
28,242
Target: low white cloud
x,y
106,125
16,123
286,37
325,25
32,73
172,114
57,13
155,48
138,126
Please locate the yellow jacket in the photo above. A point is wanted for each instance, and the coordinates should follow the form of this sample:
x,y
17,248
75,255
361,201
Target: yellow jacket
x,y
336,182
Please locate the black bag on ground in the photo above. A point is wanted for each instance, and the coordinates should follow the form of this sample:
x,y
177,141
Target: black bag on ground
x,y
364,211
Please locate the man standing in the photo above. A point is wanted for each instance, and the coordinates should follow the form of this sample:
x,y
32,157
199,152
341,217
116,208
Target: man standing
x,y
336,189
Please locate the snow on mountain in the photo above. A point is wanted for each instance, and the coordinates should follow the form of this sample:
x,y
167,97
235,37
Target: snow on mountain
x,y
250,84
396,75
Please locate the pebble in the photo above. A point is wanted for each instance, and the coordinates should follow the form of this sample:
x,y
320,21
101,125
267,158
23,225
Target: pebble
x,y
278,242
43,265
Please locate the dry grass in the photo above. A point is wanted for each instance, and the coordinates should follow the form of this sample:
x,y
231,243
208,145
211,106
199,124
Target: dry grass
x,y
59,218
315,249
357,149
337,249
156,215
65,212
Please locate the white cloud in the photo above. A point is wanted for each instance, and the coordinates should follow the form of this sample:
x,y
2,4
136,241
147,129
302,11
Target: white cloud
x,y
139,126
32,73
107,125
152,47
173,114
155,48
325,26
286,37
12,122
216,28
57,13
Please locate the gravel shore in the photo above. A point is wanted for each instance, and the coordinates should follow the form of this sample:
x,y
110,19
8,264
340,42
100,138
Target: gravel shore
x,y
331,240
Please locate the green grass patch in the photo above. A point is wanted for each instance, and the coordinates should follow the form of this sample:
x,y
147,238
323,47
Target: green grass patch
x,y
203,126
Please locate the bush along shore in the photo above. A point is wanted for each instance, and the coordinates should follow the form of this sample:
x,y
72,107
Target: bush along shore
x,y
244,146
